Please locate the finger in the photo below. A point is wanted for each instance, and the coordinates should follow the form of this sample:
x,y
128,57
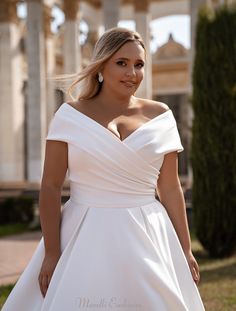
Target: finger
x,y
197,270
194,272
44,284
196,276
40,283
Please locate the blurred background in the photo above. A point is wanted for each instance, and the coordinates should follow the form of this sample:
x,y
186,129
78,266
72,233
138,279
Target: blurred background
x,y
191,47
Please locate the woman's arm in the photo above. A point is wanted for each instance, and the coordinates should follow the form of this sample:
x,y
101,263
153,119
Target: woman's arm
x,y
171,196
55,167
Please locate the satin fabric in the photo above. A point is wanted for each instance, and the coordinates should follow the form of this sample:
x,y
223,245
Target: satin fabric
x,y
120,250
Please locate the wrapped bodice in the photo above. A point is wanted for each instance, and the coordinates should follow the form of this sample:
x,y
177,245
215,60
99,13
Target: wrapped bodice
x,y
102,169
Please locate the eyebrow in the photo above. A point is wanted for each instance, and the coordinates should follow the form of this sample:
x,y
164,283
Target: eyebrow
x,y
124,58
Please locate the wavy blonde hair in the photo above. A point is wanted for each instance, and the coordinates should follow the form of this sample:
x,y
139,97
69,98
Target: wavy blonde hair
x,y
107,45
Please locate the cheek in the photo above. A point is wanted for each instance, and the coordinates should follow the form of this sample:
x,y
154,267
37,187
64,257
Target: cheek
x,y
113,76
140,74
114,72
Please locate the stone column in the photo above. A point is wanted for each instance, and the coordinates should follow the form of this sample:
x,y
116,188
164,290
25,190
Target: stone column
x,y
50,63
111,14
71,48
143,19
36,91
11,97
93,36
87,48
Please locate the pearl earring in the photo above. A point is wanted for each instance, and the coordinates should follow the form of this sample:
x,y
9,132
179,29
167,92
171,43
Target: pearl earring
x,y
100,77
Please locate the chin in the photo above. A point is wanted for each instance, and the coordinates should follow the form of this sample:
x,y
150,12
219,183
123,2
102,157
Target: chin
x,y
127,93
128,90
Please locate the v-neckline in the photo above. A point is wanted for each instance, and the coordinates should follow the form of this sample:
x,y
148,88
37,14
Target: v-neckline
x,y
105,129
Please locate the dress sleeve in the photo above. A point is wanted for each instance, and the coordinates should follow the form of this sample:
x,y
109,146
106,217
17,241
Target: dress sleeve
x,y
170,140
173,140
57,128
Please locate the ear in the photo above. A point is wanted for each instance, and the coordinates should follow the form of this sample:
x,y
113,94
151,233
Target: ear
x,y
100,77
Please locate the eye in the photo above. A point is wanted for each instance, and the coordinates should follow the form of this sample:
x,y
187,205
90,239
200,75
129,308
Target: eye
x,y
121,63
139,65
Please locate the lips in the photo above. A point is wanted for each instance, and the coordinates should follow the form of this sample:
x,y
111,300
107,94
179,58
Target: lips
x,y
129,83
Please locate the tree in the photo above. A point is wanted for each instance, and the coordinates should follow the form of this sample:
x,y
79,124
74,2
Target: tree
x,y
213,149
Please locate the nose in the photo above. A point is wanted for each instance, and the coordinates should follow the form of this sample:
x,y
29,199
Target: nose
x,y
130,71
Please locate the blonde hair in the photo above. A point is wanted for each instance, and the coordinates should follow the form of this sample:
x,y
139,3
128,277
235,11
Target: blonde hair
x,y
108,44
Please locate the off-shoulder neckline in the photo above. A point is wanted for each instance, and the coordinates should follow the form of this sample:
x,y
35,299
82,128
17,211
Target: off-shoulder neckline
x,y
98,125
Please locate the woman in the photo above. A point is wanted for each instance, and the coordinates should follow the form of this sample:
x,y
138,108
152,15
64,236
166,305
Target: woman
x,y
113,246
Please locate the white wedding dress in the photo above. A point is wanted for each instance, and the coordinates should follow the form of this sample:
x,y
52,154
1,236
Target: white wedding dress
x,y
119,248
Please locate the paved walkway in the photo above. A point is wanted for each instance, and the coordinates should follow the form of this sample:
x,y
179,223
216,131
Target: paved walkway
x,y
15,253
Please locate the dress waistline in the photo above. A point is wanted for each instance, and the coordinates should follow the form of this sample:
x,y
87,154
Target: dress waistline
x,y
102,198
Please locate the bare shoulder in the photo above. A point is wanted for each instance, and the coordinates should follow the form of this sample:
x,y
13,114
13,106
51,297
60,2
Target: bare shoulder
x,y
81,105
73,104
152,108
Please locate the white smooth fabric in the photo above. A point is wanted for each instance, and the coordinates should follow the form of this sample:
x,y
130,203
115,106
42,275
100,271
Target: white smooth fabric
x,y
120,250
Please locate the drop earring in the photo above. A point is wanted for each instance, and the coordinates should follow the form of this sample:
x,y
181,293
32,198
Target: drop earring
x,y
100,77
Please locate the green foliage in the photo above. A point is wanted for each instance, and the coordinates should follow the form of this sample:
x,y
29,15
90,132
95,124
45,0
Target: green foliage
x,y
14,210
4,293
213,152
15,228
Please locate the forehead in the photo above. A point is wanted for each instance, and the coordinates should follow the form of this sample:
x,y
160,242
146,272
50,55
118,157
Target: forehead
x,y
130,50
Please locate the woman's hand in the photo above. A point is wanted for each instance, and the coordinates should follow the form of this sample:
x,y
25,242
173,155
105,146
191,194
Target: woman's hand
x,y
46,272
193,265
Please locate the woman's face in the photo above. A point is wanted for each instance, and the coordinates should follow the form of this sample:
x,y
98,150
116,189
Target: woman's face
x,y
124,71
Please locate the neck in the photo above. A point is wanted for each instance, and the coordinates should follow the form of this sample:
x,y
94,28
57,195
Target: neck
x,y
114,102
